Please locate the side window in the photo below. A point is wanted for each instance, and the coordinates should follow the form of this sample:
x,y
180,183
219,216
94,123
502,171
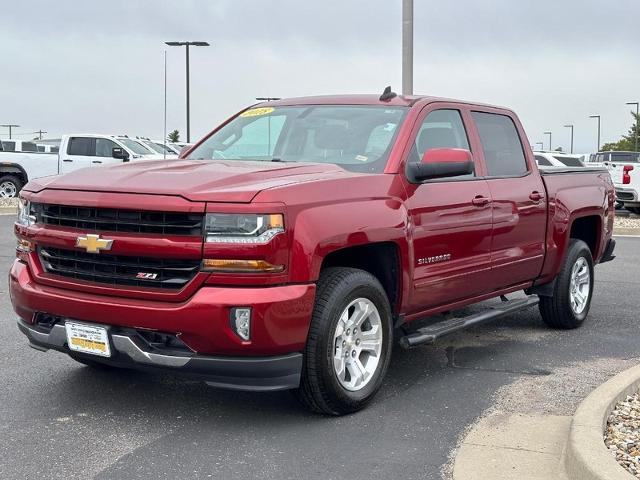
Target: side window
x,y
29,147
80,146
258,139
501,144
104,147
440,129
9,146
542,161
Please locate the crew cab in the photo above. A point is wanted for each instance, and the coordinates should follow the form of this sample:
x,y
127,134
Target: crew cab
x,y
76,151
289,247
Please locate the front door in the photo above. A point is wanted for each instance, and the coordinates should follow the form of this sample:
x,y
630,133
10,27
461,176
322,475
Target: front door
x,y
451,219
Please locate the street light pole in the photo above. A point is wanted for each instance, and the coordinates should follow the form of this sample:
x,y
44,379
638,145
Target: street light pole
x,y
598,117
187,45
549,133
10,126
407,47
571,127
637,104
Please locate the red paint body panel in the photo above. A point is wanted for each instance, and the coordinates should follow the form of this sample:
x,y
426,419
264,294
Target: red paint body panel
x,y
452,250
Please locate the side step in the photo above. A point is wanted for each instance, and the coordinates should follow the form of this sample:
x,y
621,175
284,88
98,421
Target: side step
x,y
431,333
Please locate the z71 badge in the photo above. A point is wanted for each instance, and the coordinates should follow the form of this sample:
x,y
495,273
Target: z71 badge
x,y
436,259
147,276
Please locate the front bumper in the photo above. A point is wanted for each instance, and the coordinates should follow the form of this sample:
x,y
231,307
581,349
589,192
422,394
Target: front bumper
x,y
239,373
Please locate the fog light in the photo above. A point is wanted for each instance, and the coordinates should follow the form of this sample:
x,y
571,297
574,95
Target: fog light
x,y
241,322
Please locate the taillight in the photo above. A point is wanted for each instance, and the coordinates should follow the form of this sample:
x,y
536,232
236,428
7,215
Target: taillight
x,y
626,176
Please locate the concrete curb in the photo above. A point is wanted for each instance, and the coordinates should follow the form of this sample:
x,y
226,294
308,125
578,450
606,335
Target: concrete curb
x,y
586,456
626,231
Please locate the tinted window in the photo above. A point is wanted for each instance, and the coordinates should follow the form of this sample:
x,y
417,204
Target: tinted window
x,y
104,147
29,147
542,161
569,161
624,157
41,148
9,146
136,147
55,149
80,146
503,152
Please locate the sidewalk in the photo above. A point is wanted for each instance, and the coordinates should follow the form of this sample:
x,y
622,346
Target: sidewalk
x,y
513,446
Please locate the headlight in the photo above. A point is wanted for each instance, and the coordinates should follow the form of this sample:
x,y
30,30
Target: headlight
x,y
241,228
24,213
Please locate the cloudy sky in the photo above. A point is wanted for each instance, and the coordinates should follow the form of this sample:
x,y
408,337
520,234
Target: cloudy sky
x,y
79,66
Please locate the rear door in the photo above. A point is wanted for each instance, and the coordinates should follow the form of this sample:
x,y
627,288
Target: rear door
x,y
450,219
519,203
79,153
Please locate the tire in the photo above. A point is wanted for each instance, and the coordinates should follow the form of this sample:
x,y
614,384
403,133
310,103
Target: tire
x,y
562,310
339,292
10,186
635,210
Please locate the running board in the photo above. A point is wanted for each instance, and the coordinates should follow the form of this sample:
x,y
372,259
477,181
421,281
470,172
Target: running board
x,y
431,333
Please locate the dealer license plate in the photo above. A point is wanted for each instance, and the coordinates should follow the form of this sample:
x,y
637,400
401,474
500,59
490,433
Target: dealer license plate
x,y
88,339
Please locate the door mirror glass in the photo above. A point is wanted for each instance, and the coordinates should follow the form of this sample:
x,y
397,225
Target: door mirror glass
x,y
442,163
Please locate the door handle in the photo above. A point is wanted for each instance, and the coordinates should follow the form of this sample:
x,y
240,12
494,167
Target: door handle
x,y
67,160
96,161
480,201
536,196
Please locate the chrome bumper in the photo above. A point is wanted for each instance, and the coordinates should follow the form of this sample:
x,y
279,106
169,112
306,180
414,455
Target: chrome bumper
x,y
237,373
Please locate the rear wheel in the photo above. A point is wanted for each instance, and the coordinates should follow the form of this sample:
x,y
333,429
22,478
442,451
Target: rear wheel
x,y
10,186
349,343
569,305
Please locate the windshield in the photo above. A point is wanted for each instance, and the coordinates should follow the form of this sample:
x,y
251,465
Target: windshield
x,y
151,146
135,147
357,138
162,149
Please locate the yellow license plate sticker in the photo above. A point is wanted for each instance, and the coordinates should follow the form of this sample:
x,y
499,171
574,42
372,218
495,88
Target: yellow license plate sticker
x,y
85,338
256,112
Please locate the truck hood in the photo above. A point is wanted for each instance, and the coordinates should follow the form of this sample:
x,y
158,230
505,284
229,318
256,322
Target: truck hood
x,y
211,181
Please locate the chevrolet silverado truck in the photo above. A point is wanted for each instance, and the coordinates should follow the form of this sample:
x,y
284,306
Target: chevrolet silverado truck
x,y
289,247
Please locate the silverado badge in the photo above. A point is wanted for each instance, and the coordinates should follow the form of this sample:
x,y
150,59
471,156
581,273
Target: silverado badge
x,y
93,243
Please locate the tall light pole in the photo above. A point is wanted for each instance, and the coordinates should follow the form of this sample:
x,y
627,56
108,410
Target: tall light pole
x,y
10,126
549,133
637,104
407,47
571,127
598,117
187,45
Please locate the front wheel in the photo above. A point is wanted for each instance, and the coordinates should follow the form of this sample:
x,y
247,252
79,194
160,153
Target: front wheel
x,y
349,343
10,186
569,305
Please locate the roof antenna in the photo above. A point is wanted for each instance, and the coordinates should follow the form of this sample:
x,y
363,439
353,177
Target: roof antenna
x,y
387,95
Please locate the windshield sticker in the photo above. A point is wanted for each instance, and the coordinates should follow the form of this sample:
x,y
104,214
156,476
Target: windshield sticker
x,y
362,158
255,112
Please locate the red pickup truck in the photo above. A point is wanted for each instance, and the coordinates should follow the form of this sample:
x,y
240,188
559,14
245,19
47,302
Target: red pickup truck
x,y
290,246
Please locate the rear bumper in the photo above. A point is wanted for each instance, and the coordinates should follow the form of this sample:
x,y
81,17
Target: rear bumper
x,y
627,195
239,373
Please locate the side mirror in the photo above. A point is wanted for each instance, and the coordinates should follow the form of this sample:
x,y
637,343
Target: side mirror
x,y
441,163
117,152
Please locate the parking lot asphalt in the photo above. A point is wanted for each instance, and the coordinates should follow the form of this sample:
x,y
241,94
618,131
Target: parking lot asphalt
x,y
60,419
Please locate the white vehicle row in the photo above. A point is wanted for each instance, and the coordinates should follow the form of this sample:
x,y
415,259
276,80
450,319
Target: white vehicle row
x,y
21,161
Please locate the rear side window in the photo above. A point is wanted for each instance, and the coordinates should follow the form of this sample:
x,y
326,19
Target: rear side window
x,y
29,147
569,161
9,146
503,152
543,162
80,146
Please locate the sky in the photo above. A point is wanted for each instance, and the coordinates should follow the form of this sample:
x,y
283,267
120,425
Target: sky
x,y
79,66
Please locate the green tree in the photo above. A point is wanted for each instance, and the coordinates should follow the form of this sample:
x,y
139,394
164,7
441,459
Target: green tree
x,y
627,142
174,136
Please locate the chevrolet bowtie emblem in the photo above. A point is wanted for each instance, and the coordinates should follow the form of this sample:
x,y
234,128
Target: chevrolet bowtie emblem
x,y
93,243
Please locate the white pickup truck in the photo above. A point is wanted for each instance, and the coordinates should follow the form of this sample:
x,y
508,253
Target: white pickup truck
x,y
76,151
624,168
